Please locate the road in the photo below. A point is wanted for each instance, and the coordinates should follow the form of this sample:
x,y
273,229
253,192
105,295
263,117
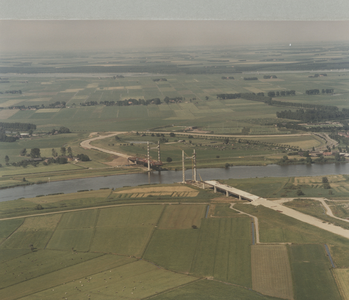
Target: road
x,y
225,135
86,144
301,217
323,202
329,142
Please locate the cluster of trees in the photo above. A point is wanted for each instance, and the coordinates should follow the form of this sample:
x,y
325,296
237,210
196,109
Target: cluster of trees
x,y
173,99
5,138
159,79
57,104
314,115
18,126
269,77
60,104
323,91
228,77
14,92
281,93
317,75
250,78
126,102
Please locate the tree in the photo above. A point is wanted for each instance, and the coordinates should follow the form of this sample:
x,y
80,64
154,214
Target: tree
x,y
54,153
324,180
308,160
23,152
63,130
206,97
35,153
7,159
70,152
63,151
61,160
83,157
300,193
172,134
39,207
168,159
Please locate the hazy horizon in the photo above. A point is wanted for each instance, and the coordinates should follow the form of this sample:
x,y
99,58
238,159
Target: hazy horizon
x,y
29,36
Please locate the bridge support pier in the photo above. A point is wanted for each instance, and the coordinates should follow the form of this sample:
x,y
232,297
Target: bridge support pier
x,y
226,193
214,189
239,197
203,185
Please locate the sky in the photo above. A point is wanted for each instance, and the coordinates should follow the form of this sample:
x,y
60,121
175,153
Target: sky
x,y
27,36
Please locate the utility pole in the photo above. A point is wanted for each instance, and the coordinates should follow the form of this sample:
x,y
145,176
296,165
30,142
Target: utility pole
x,y
194,169
159,157
148,156
183,167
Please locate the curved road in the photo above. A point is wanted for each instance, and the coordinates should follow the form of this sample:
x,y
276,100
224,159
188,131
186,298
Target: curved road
x,y
86,144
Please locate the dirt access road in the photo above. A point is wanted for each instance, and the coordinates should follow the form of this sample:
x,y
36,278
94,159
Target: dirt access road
x,y
86,144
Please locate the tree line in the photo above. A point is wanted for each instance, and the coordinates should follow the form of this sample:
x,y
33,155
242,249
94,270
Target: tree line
x,y
17,126
314,115
281,93
317,91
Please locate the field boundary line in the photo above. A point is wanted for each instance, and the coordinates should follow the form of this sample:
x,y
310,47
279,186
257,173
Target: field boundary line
x,y
11,233
256,224
98,207
94,230
152,232
174,288
53,231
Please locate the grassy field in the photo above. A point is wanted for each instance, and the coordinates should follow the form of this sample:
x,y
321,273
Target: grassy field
x,y
131,227
310,272
135,280
63,276
92,244
182,216
173,249
210,290
271,271
342,279
223,250
276,227
270,187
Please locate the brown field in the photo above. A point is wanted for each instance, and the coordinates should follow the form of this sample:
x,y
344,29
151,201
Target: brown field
x,y
71,90
40,223
318,179
47,110
182,216
271,272
173,191
73,196
6,113
253,89
10,103
342,279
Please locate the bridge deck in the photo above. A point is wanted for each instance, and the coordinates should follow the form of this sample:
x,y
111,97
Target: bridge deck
x,y
232,190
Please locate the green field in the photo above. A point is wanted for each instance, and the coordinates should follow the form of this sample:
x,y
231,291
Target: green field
x,y
173,249
310,272
210,290
223,250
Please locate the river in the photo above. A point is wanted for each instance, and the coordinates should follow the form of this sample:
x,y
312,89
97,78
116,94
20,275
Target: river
x,y
117,181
